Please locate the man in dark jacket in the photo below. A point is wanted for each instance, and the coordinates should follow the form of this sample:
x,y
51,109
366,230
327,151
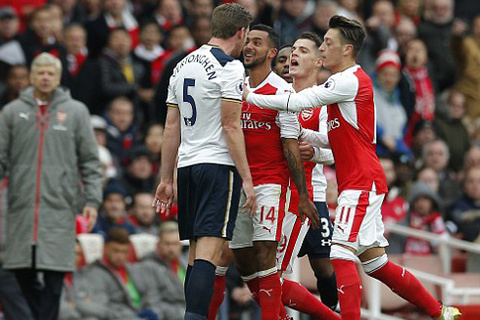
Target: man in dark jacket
x,y
48,147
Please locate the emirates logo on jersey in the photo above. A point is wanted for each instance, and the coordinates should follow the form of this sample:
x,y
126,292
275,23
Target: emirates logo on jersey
x,y
306,115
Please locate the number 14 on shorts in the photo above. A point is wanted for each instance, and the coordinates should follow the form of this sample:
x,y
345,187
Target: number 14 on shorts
x,y
267,213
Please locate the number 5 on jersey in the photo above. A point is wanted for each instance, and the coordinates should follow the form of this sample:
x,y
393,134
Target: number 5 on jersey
x,y
188,82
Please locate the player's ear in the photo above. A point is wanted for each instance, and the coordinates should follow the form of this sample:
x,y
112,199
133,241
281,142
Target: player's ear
x,y
273,53
348,49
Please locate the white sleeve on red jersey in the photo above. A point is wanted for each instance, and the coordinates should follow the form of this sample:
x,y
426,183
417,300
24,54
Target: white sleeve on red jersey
x,y
322,155
288,124
340,87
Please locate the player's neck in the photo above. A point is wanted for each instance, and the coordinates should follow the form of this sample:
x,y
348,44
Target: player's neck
x,y
226,45
259,73
343,66
300,83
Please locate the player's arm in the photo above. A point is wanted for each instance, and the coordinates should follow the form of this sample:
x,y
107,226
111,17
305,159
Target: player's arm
x,y
289,130
332,91
231,111
165,193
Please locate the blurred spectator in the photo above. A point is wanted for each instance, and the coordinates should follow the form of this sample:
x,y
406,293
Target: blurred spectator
x,y
201,35
142,215
429,177
201,8
332,191
139,175
120,73
349,9
464,213
380,34
168,14
93,8
100,130
72,285
452,130
72,11
404,172
82,75
324,11
56,21
16,81
154,142
264,12
394,207
24,9
40,36
166,273
114,15
180,39
122,130
48,160
436,156
422,133
391,115
282,62
151,53
116,289
416,69
9,24
13,302
467,52
405,31
436,30
409,9
294,18
424,214
472,157
113,212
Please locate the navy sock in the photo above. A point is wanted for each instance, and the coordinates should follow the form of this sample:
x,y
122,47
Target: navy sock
x,y
199,290
187,278
327,288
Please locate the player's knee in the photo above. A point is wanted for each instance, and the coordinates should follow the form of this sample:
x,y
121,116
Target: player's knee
x,y
341,253
265,254
374,264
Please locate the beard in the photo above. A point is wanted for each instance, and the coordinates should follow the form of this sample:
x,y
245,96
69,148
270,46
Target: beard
x,y
256,62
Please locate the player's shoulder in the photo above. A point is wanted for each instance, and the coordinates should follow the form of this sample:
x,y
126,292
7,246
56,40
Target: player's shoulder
x,y
344,80
223,59
279,83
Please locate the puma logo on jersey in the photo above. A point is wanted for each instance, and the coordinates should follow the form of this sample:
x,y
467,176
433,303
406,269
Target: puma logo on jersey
x,y
340,290
24,115
340,228
333,124
268,229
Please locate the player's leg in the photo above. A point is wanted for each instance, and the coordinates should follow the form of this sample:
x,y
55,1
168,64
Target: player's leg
x,y
226,258
295,295
317,245
217,192
376,264
350,216
267,231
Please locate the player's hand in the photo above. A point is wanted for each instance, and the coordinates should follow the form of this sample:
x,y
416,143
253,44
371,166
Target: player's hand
x,y
306,208
164,197
250,205
90,215
306,150
245,92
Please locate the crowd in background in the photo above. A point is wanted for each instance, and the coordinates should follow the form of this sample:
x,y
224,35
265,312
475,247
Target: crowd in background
x,y
423,57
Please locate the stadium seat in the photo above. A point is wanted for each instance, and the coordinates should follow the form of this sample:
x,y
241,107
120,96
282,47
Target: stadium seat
x,y
92,245
143,244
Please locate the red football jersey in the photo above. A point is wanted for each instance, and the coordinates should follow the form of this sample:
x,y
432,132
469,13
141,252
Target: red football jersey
x,y
263,132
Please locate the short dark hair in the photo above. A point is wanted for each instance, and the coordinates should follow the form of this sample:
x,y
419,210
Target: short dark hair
x,y
118,235
352,31
228,18
312,37
272,34
288,45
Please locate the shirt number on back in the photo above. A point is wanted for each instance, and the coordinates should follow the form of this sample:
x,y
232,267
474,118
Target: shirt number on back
x,y
188,82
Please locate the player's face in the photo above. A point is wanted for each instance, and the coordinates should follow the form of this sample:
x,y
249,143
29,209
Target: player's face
x,y
282,64
304,59
257,49
332,50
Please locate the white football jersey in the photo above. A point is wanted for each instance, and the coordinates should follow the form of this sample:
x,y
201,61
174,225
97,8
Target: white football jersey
x,y
198,85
